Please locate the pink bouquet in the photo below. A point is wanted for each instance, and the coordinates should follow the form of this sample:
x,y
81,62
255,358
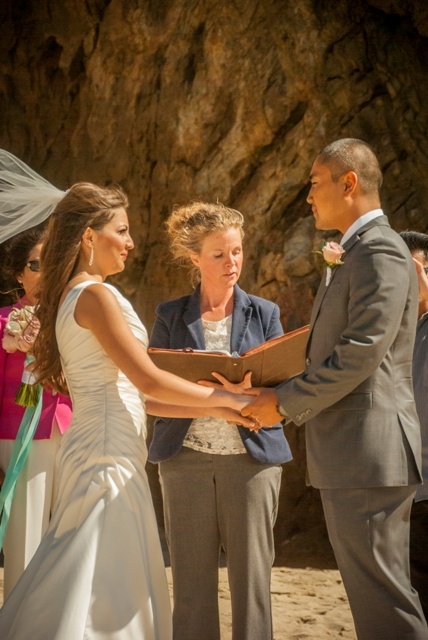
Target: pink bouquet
x,y
20,334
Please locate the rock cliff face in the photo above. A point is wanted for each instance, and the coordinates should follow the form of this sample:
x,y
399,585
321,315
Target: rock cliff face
x,y
232,101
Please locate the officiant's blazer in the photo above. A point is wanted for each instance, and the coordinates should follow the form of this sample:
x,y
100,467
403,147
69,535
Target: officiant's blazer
x,y
355,394
178,325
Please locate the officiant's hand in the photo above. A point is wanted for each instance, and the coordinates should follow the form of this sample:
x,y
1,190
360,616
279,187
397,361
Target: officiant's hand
x,y
242,387
264,408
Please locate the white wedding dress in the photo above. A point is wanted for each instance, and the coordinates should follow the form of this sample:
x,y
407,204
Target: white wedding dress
x,y
98,573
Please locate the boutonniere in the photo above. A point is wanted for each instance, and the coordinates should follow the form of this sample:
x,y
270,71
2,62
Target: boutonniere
x,y
332,253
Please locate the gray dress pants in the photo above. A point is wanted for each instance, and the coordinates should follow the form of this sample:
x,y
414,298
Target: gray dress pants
x,y
210,502
369,533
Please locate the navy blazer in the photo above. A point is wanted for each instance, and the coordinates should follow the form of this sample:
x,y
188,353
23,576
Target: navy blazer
x,y
178,325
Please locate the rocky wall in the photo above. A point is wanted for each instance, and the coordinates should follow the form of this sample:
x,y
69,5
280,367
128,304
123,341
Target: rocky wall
x,y
227,101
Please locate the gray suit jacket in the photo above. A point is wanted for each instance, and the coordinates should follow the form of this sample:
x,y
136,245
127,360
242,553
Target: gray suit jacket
x,y
355,394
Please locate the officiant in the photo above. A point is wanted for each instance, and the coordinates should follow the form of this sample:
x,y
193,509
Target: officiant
x,y
220,482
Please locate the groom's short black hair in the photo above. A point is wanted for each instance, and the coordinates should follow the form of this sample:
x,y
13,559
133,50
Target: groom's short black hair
x,y
416,241
351,154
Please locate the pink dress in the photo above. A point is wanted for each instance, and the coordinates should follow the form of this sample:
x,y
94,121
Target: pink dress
x,y
32,501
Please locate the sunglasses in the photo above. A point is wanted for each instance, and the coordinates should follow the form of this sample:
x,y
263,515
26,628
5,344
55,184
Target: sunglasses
x,y
33,265
426,270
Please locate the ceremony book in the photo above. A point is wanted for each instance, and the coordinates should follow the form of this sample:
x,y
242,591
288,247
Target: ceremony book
x,y
271,362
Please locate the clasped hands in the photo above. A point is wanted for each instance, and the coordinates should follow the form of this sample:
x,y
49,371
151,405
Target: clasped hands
x,y
262,404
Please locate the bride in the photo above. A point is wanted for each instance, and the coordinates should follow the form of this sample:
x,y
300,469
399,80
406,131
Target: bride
x,y
98,573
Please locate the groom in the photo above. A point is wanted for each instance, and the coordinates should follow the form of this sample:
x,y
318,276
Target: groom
x,y
355,395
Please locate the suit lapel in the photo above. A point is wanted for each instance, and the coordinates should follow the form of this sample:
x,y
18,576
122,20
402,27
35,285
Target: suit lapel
x,y
192,319
322,290
242,312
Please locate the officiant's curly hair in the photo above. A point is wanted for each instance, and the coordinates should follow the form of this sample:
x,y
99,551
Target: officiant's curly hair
x,y
84,205
189,225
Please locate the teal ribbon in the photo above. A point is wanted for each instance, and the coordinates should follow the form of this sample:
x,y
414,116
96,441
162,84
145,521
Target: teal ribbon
x,y
20,451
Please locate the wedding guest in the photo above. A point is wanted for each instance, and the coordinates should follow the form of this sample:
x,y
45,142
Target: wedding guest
x,y
98,572
363,439
418,245
32,500
220,482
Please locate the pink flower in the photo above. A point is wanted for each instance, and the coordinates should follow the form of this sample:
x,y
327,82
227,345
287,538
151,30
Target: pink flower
x,y
332,252
9,342
21,330
29,335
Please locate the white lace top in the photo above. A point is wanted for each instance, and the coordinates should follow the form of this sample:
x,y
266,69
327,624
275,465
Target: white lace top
x,y
213,435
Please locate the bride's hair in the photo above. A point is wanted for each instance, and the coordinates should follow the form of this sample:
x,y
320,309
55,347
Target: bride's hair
x,y
84,205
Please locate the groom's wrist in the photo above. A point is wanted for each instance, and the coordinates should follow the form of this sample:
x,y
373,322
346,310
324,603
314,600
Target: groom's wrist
x,y
282,412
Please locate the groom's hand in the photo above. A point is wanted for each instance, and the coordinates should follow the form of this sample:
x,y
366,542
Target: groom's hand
x,y
264,408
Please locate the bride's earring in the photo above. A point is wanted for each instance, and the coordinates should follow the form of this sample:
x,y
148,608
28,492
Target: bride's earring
x,y
91,257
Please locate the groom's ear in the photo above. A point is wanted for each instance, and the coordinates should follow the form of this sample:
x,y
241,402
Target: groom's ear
x,y
350,182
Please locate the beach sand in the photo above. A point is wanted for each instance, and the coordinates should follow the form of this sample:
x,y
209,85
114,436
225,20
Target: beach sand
x,y
307,603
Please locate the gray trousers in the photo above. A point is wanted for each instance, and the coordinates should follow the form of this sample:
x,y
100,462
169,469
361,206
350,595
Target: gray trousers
x,y
213,501
369,533
419,551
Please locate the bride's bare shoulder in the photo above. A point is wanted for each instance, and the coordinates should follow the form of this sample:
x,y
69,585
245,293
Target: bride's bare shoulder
x,y
76,280
97,304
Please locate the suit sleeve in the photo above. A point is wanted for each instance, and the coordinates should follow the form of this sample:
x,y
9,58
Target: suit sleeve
x,y
379,282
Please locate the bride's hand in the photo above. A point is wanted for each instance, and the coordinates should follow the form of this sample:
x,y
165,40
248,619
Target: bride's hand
x,y
242,387
234,417
241,390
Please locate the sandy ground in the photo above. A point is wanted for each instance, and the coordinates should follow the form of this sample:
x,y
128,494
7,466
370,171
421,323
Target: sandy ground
x,y
307,603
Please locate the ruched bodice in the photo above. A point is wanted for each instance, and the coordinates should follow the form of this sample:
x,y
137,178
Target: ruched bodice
x,y
99,569
93,379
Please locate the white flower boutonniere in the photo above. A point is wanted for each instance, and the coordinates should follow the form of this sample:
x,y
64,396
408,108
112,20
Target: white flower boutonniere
x,y
332,253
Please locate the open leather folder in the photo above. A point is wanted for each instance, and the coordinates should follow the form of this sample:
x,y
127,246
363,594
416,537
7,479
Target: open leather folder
x,y
271,362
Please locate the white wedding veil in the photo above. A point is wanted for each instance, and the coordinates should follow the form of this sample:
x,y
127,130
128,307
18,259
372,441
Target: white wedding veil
x,y
26,199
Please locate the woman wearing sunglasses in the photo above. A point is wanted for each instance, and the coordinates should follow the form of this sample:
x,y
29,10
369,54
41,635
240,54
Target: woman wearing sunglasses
x,y
31,504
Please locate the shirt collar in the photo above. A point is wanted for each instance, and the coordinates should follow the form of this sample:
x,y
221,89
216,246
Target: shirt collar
x,y
360,222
